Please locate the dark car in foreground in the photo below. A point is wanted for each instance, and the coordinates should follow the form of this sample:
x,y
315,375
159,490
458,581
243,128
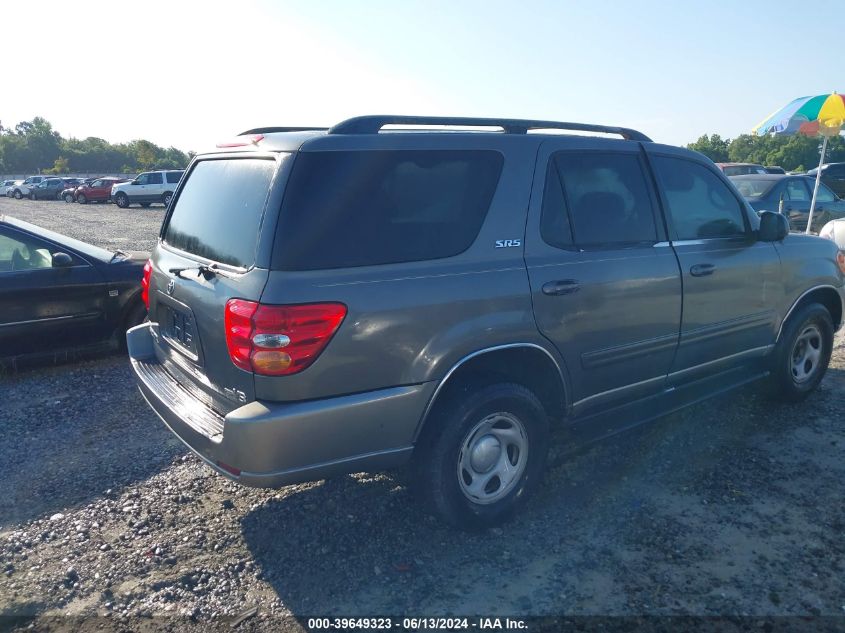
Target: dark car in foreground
x,y
792,195
59,295
444,299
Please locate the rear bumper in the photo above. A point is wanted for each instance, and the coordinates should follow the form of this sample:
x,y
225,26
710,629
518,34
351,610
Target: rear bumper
x,y
275,444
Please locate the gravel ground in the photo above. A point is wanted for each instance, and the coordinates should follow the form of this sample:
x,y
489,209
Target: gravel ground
x,y
734,507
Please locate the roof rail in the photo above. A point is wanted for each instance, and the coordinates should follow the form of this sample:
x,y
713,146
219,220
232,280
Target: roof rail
x,y
372,124
270,130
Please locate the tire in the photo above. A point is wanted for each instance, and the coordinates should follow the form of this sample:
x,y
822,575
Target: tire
x,y
82,199
121,200
460,470
68,198
166,198
146,205
18,194
801,356
32,195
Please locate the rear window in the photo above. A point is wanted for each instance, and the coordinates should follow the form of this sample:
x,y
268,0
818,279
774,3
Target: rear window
x,y
219,210
362,208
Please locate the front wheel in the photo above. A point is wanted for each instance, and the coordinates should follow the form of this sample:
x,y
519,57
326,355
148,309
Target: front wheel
x,y
167,198
81,199
68,198
18,195
121,200
802,354
482,456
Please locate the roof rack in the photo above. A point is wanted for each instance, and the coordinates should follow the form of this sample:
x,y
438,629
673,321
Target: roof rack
x,y
270,130
372,124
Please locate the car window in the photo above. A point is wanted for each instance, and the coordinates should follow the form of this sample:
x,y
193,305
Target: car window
x,y
356,208
21,252
796,191
218,214
97,183
173,176
834,171
155,178
825,194
605,196
700,204
143,179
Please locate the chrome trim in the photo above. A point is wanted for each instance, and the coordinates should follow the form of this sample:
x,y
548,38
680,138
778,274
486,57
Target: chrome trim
x,y
752,353
662,244
632,385
58,318
804,294
495,348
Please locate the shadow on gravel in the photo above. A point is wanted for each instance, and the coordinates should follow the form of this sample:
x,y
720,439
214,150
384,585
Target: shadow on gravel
x,y
670,518
72,432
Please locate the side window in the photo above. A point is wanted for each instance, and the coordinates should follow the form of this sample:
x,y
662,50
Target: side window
x,y
97,183
825,194
700,205
21,252
173,177
143,179
796,191
155,178
603,199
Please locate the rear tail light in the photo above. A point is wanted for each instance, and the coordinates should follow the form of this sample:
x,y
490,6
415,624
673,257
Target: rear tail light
x,y
279,340
145,283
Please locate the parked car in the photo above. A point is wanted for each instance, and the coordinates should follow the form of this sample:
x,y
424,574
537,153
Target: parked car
x,y
740,169
8,187
443,299
97,190
59,295
47,189
22,190
766,192
147,188
774,169
833,175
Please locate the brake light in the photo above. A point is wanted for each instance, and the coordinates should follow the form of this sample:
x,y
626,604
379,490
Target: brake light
x,y
279,340
145,283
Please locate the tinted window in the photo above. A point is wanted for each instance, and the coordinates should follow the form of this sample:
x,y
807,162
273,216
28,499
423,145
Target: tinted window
x,y
796,191
155,178
218,213
173,176
350,208
825,194
606,197
555,227
700,204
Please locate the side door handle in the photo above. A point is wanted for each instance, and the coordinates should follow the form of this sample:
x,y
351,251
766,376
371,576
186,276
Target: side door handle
x,y
561,287
702,270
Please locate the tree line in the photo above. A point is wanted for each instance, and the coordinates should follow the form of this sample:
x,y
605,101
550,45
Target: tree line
x,y
794,152
35,147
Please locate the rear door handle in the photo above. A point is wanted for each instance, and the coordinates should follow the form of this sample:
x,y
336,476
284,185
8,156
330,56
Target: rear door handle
x,y
702,270
561,287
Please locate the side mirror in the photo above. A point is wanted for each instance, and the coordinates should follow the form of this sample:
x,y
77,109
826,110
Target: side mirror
x,y
62,260
135,182
773,227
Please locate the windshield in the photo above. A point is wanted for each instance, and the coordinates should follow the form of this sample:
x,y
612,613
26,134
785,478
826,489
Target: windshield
x,y
753,187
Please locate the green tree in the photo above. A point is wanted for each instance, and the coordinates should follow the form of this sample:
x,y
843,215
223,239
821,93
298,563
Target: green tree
x,y
713,146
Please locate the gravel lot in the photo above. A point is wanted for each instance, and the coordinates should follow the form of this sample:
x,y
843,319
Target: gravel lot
x,y
734,507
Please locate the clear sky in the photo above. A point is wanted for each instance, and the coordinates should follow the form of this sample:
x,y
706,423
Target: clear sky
x,y
189,74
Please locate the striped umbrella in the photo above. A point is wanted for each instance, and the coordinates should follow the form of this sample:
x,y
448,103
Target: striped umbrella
x,y
820,115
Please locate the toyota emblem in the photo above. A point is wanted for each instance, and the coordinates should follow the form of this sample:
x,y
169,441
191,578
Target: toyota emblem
x,y
170,286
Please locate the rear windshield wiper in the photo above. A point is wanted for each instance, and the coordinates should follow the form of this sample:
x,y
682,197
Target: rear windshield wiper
x,y
207,271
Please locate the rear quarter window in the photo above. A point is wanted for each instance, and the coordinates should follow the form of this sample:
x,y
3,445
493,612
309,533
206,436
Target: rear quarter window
x,y
361,208
219,211
173,176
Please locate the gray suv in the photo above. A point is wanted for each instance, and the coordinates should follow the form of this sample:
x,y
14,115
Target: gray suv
x,y
385,294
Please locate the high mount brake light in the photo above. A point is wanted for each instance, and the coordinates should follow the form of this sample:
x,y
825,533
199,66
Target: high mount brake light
x,y
242,141
273,340
145,283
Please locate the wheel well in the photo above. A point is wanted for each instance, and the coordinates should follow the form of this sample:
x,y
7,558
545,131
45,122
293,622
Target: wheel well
x,y
527,366
828,297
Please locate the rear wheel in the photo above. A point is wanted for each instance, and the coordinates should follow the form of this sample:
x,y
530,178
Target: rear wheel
x,y
166,198
18,194
81,198
121,200
68,197
802,354
481,457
